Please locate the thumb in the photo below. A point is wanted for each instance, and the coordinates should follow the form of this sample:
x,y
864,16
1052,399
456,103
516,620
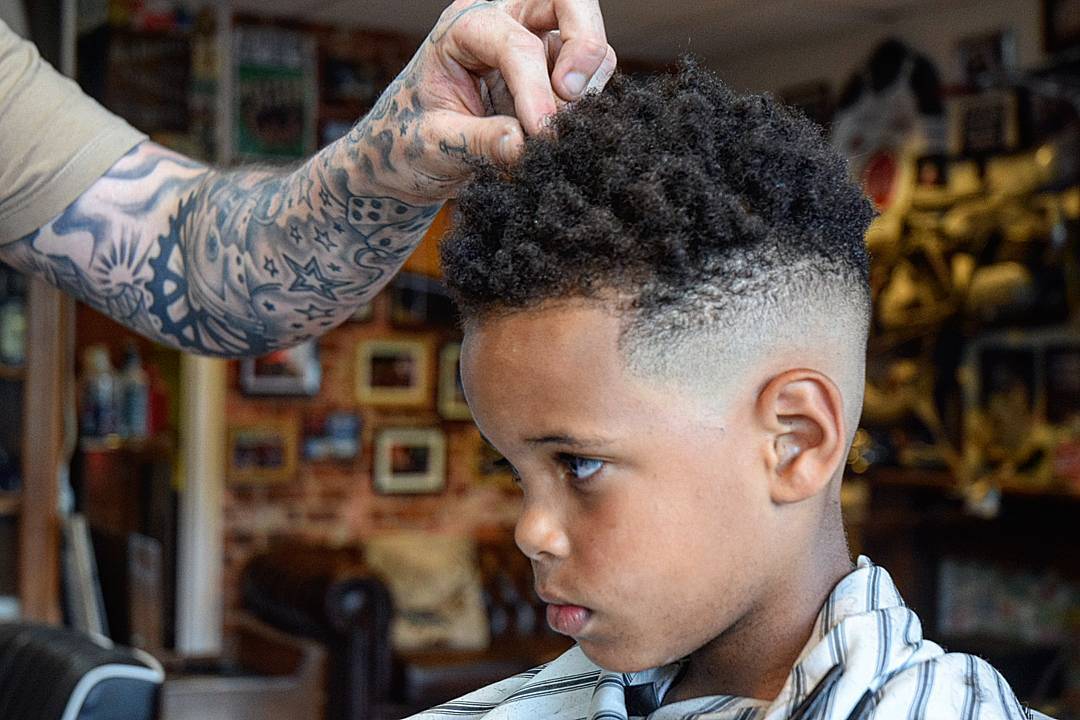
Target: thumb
x,y
461,139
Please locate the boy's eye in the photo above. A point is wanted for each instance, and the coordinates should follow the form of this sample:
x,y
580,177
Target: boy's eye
x,y
582,468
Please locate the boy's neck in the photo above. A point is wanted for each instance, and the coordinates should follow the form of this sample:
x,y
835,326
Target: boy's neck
x,y
754,657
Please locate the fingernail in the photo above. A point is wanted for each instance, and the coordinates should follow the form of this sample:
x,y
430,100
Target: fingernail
x,y
575,82
506,148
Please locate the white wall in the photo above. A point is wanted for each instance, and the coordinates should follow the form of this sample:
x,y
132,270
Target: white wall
x,y
934,32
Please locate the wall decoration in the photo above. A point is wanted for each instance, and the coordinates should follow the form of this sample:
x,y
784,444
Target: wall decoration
x,y
889,109
452,404
984,124
263,452
1061,25
275,93
332,435
294,371
393,372
410,461
1021,394
985,59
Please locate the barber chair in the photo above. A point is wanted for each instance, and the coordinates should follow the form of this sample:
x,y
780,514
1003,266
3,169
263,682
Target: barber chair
x,y
50,673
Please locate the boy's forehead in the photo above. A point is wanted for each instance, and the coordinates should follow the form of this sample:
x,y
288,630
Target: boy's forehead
x,y
558,372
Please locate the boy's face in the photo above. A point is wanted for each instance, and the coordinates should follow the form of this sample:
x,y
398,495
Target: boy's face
x,y
643,505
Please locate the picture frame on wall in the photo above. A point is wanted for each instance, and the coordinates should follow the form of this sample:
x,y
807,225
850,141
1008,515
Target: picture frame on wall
x,y
332,435
1061,25
410,461
275,97
293,371
452,403
264,452
393,373
984,124
985,58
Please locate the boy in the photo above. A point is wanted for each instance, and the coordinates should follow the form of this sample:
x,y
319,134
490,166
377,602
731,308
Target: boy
x,y
666,308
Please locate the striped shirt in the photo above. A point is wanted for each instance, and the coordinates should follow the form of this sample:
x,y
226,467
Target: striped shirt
x,y
866,658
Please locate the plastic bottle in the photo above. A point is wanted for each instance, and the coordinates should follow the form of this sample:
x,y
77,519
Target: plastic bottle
x,y
98,416
134,395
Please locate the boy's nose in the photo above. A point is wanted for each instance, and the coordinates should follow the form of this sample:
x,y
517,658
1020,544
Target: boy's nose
x,y
539,534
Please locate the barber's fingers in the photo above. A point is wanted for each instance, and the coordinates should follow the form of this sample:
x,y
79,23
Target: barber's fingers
x,y
483,38
461,138
584,47
553,44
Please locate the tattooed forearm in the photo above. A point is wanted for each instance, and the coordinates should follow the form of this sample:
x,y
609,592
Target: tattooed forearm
x,y
226,263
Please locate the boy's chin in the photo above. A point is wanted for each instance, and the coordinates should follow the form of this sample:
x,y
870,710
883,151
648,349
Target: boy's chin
x,y
617,657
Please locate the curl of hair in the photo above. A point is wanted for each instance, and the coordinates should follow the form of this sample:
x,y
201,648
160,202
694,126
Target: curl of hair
x,y
675,193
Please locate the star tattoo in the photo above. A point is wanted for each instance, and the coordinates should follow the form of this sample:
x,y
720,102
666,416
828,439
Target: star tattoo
x,y
323,239
310,278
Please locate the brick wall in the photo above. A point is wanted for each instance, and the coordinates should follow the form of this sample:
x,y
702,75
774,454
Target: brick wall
x,y
335,502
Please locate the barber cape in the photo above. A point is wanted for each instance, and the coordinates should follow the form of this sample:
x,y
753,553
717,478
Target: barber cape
x,y
866,658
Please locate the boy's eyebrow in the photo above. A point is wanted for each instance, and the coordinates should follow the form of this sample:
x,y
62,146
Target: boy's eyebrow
x,y
569,441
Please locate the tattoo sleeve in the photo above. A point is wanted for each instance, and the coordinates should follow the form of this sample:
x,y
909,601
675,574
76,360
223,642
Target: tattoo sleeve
x,y
226,263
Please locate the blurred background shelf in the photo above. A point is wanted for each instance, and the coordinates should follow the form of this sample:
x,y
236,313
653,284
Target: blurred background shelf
x,y
944,482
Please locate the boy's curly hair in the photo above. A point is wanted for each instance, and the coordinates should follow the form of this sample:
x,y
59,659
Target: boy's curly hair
x,y
686,200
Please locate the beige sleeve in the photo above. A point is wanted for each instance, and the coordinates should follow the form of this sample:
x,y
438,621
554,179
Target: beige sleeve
x,y
54,140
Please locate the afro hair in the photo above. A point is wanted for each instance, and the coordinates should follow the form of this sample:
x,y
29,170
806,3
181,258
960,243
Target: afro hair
x,y
674,193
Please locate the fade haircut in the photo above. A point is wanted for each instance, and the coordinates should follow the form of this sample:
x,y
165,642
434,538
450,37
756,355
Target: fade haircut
x,y
708,217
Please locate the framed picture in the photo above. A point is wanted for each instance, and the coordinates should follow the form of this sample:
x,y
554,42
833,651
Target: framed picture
x,y
332,435
410,461
275,93
393,372
987,57
263,452
452,404
984,124
295,371
1061,25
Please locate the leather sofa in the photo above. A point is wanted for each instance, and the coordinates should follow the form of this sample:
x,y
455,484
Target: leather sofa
x,y
330,596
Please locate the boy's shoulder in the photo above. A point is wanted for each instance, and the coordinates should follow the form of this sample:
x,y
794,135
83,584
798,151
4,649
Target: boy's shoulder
x,y
952,686
566,682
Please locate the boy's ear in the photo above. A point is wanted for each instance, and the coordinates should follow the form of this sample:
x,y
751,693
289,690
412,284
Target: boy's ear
x,y
803,413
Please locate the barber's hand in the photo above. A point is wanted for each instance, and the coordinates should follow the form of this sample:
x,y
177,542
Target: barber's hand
x,y
490,72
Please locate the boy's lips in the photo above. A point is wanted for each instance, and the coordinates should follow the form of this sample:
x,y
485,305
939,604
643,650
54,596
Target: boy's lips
x,y
564,617
568,619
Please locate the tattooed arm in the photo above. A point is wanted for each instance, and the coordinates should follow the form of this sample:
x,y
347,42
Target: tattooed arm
x,y
243,262
224,263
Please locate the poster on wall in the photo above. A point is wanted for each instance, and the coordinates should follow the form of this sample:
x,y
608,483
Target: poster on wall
x,y
274,102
